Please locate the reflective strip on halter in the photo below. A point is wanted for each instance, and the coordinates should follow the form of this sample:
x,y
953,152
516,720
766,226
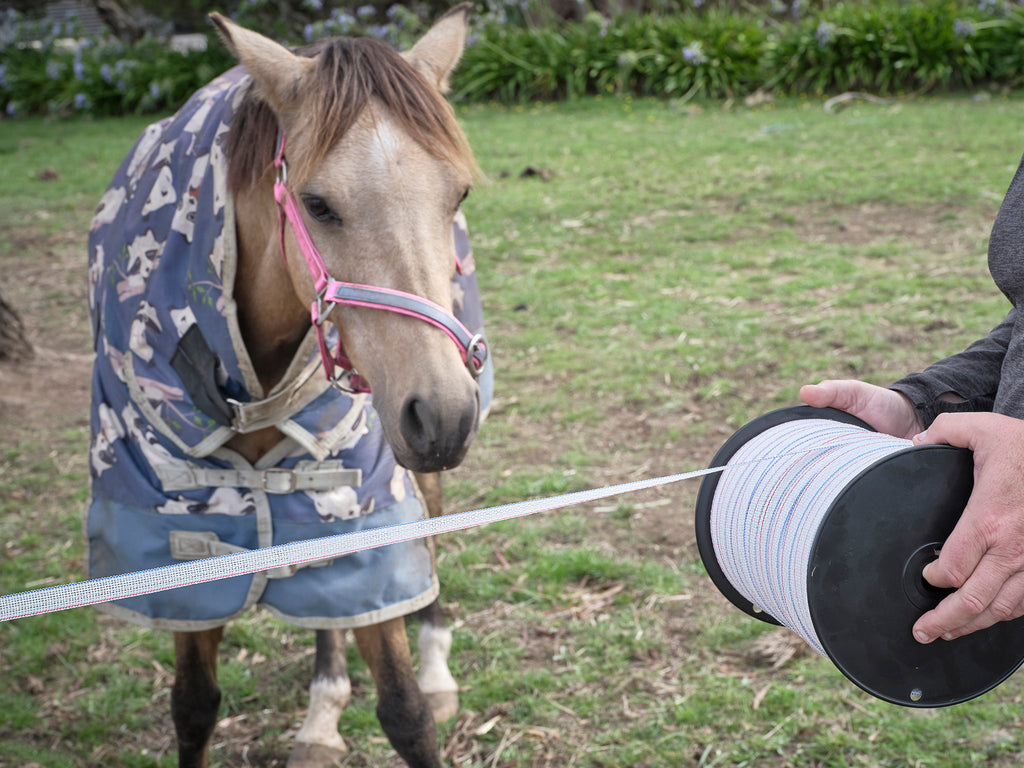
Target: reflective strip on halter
x,y
471,346
330,291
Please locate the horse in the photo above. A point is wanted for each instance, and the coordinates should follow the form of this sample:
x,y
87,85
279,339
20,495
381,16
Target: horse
x,y
278,279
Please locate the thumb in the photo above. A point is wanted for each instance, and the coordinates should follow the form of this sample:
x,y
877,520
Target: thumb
x,y
935,575
958,429
821,395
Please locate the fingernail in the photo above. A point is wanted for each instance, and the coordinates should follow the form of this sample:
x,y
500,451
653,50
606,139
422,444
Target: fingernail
x,y
918,438
948,636
922,637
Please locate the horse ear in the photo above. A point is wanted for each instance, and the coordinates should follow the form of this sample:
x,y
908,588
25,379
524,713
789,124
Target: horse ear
x,y
275,70
439,50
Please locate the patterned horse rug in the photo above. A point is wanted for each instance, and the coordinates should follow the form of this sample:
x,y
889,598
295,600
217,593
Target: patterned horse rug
x,y
172,383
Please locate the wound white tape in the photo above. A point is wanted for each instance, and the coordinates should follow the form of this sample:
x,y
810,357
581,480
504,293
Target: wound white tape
x,y
766,514
91,592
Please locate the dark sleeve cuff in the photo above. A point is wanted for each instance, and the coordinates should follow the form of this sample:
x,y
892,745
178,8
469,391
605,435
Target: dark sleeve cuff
x,y
923,392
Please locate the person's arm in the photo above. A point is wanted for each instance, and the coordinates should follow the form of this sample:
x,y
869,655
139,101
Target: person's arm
x,y
964,382
961,383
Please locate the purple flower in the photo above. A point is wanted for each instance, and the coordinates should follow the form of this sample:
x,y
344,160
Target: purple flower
x,y
314,5
81,101
106,73
78,68
366,12
964,28
825,33
343,20
53,70
3,75
693,55
307,33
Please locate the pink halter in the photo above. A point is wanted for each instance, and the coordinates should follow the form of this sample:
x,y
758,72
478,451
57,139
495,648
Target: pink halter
x,y
330,291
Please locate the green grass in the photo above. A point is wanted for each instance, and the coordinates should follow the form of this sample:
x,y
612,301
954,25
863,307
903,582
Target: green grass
x,y
54,174
682,271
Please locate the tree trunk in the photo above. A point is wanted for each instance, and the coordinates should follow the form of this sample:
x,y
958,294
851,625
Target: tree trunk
x,y
125,25
14,345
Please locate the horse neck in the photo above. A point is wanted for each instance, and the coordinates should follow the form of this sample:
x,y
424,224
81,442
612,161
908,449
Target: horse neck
x,y
272,319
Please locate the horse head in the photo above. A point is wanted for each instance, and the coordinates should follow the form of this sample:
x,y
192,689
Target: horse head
x,y
377,169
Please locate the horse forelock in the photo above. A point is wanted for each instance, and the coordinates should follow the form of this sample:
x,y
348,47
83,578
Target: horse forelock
x,y
348,74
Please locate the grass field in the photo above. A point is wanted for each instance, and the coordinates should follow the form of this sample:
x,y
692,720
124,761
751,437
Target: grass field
x,y
654,276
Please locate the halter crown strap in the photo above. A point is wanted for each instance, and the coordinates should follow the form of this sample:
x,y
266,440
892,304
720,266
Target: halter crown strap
x,y
330,291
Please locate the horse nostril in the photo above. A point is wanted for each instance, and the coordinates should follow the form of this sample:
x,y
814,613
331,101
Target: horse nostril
x,y
434,436
416,421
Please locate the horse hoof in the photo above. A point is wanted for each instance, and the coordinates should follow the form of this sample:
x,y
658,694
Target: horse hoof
x,y
314,756
444,705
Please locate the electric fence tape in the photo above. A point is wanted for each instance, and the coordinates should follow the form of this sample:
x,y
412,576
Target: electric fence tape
x,y
93,591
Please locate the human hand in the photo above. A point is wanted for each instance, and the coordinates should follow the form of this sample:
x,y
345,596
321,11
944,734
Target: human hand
x,y
884,409
983,558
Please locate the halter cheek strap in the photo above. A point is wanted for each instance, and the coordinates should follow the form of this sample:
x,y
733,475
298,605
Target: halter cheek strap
x,y
330,291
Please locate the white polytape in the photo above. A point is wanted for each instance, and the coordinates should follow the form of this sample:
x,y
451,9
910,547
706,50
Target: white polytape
x,y
765,515
78,594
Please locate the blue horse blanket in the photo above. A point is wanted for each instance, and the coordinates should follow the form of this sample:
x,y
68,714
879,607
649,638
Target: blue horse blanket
x,y
163,485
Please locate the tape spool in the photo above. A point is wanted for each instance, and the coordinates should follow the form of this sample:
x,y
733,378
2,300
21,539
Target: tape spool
x,y
854,589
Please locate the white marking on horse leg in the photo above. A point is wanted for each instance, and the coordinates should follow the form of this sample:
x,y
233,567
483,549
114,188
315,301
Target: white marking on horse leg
x,y
327,697
435,643
435,680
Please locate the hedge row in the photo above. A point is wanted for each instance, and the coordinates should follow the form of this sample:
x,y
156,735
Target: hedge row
x,y
882,47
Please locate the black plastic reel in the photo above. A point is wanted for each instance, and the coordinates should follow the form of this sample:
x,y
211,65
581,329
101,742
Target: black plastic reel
x,y
864,584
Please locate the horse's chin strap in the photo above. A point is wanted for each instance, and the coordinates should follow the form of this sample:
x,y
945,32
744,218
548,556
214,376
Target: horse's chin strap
x,y
330,291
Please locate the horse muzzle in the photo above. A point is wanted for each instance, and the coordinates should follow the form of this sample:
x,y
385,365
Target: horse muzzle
x,y
433,434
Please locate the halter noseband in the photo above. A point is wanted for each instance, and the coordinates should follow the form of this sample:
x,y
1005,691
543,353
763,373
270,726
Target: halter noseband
x,y
330,291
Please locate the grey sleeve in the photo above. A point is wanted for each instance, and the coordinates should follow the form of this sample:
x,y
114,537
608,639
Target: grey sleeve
x,y
973,375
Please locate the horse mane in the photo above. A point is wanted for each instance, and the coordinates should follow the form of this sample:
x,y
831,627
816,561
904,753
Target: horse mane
x,y
349,73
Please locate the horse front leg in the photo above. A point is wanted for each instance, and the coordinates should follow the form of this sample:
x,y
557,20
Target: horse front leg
x,y
318,743
402,708
435,639
195,697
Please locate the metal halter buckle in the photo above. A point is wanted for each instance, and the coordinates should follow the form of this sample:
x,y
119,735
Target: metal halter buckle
x,y
320,314
476,344
343,382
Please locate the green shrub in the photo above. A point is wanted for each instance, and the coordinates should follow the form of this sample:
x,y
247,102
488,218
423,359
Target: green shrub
x,y
708,49
895,47
52,70
885,47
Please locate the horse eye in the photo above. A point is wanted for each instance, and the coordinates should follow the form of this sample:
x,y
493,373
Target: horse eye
x,y
318,208
462,199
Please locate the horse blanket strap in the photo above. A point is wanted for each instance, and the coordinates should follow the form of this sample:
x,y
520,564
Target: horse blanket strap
x,y
169,358
196,545
305,476
472,346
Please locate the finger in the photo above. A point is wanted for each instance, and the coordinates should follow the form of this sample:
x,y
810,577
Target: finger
x,y
964,606
833,393
817,395
959,429
1007,605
